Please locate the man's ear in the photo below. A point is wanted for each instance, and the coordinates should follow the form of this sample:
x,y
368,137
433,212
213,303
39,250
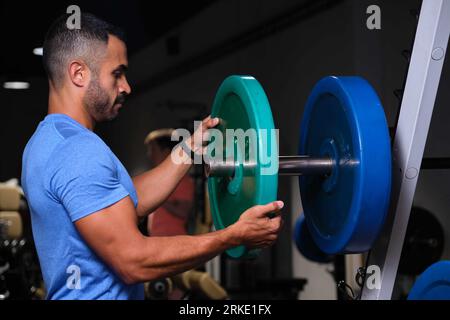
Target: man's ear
x,y
78,73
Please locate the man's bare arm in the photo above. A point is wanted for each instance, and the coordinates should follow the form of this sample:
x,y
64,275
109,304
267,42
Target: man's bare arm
x,y
153,187
113,234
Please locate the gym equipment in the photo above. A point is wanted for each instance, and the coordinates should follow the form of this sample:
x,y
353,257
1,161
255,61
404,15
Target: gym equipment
x,y
346,209
424,242
200,282
10,220
10,225
420,89
344,161
240,103
433,284
9,198
306,245
158,289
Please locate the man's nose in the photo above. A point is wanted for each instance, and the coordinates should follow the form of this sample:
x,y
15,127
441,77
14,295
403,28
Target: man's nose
x,y
125,87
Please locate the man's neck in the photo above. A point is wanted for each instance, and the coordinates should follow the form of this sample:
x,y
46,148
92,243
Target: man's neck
x,y
62,102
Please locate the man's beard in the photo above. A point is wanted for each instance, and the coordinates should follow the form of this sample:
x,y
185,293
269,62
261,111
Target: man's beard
x,y
98,103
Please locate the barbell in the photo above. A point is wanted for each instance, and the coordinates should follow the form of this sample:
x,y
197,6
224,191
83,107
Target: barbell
x,y
343,161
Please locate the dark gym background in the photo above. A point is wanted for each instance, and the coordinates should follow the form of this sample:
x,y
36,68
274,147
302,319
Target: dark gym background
x,y
180,51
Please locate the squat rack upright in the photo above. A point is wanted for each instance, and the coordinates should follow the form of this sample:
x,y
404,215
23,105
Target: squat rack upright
x,y
422,82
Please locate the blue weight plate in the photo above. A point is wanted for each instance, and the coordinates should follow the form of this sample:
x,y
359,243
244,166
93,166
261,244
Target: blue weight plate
x,y
305,243
433,284
344,120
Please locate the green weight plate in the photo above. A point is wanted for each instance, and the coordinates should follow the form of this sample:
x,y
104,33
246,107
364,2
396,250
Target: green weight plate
x,y
241,103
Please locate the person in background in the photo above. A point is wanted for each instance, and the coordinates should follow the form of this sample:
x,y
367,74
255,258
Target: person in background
x,y
171,218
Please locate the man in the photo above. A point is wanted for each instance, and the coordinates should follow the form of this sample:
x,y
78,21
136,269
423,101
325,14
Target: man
x,y
171,218
84,206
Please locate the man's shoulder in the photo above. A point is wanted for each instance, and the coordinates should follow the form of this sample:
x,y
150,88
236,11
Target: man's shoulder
x,y
59,135
79,150
82,154
81,143
70,132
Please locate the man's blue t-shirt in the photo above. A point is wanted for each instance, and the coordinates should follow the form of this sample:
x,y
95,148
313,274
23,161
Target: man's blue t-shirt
x,y
68,172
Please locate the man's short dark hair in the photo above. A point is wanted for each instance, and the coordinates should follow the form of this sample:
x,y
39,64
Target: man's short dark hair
x,y
62,44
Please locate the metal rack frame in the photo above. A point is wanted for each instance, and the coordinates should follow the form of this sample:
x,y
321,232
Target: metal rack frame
x,y
422,82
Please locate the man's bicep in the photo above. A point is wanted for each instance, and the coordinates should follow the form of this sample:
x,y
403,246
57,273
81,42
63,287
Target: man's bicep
x,y
111,232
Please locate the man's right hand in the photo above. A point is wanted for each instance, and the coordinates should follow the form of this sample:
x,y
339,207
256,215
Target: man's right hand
x,y
256,229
